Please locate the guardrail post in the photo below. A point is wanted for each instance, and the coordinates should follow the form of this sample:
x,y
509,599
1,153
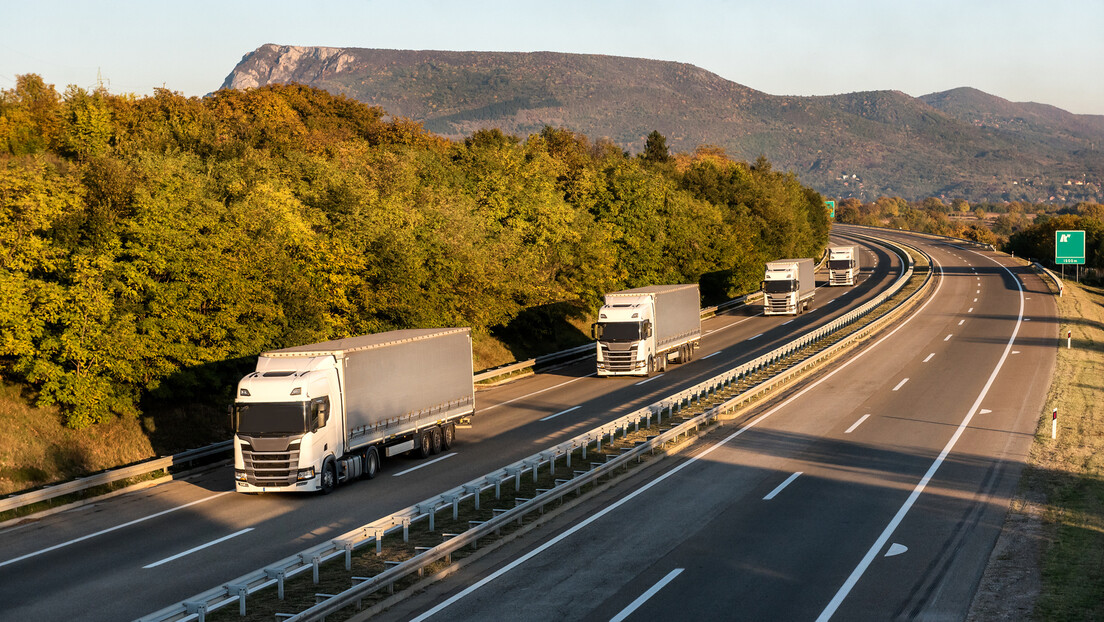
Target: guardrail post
x,y
348,546
242,591
455,507
279,574
475,491
198,608
379,550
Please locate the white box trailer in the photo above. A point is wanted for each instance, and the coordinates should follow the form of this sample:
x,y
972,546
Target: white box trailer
x,y
640,330
788,286
316,415
843,265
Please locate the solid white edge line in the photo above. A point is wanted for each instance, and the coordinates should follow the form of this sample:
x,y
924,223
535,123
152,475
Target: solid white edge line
x,y
846,588
789,480
483,410
424,464
562,412
640,600
198,548
110,529
900,384
689,461
929,357
857,424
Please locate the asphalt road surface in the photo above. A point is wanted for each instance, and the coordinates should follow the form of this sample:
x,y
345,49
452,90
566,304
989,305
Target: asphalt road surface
x,y
876,493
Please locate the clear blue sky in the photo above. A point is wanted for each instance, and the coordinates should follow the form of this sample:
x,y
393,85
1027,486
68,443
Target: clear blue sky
x,y
1049,52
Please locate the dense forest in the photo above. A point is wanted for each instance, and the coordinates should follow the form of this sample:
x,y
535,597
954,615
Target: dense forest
x,y
151,245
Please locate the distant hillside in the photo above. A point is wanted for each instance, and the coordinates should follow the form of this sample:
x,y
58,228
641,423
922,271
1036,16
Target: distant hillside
x,y
960,143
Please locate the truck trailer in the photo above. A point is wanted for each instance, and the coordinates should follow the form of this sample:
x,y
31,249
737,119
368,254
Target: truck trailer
x,y
843,265
313,416
788,286
640,330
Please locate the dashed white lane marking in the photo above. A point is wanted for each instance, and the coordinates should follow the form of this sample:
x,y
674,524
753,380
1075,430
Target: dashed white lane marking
x,y
856,424
789,480
929,357
198,548
900,384
424,464
640,600
562,412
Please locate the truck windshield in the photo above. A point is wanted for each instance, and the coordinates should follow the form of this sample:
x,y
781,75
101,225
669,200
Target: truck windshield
x,y
619,331
839,264
270,419
778,287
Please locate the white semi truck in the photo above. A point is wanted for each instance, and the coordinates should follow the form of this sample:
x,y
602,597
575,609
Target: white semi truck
x,y
640,330
843,265
788,286
313,416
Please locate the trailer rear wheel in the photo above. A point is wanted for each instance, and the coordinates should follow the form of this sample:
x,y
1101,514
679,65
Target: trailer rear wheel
x,y
371,463
448,436
425,444
435,443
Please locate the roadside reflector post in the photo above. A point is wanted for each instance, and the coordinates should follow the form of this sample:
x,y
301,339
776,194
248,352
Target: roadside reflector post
x,y
1069,338
1054,424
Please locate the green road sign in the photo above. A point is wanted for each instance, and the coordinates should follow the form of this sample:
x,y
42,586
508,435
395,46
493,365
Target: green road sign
x,y
1069,247
831,208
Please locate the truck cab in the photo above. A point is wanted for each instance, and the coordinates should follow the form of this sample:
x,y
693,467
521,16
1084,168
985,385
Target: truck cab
x,y
624,332
285,428
842,265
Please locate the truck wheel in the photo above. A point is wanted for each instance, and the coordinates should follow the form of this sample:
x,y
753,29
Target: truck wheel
x,y
448,436
651,367
435,443
371,463
425,444
329,477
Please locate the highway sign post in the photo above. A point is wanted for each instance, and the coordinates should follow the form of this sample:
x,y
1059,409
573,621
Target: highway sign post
x,y
1069,248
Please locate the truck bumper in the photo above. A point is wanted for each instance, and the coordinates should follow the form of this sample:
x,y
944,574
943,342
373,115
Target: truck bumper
x,y
307,485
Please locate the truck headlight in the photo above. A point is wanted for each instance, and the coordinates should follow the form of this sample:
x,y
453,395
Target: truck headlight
x,y
305,474
239,475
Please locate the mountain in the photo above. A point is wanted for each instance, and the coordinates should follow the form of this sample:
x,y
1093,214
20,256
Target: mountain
x,y
961,143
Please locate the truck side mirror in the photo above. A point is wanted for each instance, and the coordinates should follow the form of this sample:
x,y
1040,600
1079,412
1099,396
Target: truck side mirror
x,y
647,328
596,331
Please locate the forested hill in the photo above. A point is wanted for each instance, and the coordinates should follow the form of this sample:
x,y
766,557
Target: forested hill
x,y
151,246
958,144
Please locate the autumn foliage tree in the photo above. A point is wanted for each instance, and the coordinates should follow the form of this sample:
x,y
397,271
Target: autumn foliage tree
x,y
151,244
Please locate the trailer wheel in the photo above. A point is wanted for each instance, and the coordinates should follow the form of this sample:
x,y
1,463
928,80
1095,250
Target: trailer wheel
x,y
448,436
329,476
425,444
371,463
435,443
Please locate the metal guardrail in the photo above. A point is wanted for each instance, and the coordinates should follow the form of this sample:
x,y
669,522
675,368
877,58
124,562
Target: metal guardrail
x,y
46,493
275,574
1053,277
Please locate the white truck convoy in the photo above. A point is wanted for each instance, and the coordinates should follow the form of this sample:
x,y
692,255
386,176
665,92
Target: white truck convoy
x,y
639,330
788,286
843,265
316,415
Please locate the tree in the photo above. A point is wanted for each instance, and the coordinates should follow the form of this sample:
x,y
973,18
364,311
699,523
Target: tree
x,y
655,148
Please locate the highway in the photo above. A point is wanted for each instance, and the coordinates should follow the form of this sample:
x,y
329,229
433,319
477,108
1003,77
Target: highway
x,y
877,492
127,556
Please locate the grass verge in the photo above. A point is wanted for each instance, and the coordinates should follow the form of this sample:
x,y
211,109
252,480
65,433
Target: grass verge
x,y
1069,472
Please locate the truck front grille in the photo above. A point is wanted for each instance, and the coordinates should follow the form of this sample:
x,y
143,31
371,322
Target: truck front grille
x,y
270,468
778,304
839,277
619,360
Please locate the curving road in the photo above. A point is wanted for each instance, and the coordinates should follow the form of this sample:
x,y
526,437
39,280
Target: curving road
x,y
877,492
127,556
